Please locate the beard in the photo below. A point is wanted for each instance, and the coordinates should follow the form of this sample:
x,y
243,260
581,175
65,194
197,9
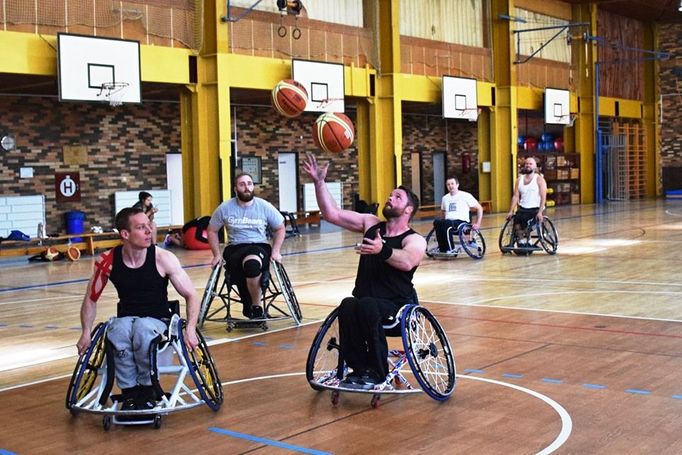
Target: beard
x,y
391,212
245,196
526,170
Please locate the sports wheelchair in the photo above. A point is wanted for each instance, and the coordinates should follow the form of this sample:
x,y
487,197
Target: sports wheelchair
x,y
469,240
93,379
230,291
426,350
536,237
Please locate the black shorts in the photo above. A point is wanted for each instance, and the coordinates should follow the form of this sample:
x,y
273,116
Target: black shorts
x,y
235,254
523,216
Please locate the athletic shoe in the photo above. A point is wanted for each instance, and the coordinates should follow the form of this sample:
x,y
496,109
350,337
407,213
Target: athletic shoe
x,y
256,312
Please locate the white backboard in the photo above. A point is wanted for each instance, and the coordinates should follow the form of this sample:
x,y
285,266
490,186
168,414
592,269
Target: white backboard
x,y
87,62
460,100
324,83
557,107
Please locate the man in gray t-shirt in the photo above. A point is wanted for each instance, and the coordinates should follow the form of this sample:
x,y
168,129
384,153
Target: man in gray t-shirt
x,y
247,253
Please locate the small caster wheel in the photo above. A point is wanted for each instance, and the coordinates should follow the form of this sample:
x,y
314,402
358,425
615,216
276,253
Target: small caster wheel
x,y
106,423
230,327
73,412
335,398
157,422
264,327
375,401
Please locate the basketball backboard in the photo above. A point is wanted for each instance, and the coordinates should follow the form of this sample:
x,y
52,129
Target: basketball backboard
x,y
87,64
459,98
324,83
557,107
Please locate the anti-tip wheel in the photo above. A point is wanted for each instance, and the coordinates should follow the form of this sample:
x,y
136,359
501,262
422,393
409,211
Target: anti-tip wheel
x,y
335,398
376,401
106,423
157,422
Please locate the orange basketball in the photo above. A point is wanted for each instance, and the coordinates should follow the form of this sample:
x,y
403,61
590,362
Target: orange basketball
x,y
289,98
73,253
333,132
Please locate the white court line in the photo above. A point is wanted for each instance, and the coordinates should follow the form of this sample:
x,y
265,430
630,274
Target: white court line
x,y
566,422
510,307
559,281
668,212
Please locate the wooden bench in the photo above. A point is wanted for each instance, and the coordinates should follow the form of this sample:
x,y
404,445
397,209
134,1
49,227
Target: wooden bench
x,y
89,242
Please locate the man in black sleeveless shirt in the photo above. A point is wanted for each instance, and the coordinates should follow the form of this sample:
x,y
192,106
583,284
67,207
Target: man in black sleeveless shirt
x,y
140,272
390,253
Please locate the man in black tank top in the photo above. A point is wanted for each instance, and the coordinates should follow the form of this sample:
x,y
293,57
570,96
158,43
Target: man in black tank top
x,y
390,253
140,272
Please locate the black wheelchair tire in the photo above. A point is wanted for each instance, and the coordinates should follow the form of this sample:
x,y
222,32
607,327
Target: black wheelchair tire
x,y
96,352
203,370
288,293
549,238
321,342
463,232
209,294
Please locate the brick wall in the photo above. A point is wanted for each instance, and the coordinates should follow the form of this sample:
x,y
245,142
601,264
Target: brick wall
x,y
427,134
262,133
670,82
126,150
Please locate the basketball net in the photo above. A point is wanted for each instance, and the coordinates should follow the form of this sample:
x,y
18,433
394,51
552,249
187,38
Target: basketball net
x,y
112,92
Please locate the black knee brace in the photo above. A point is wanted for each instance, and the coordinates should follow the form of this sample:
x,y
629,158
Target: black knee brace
x,y
252,268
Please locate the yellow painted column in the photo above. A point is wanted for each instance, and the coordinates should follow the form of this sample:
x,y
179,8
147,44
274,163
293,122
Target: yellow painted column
x,y
503,118
384,110
585,56
650,120
205,115
362,142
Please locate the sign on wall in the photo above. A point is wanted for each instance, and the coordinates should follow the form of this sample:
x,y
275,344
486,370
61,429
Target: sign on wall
x,y
67,186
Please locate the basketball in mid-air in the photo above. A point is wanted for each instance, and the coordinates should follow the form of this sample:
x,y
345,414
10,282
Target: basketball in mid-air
x,y
289,98
333,132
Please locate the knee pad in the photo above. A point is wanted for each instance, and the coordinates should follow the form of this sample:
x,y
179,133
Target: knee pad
x,y
252,268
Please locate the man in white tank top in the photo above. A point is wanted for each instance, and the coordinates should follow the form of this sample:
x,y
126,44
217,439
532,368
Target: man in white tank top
x,y
530,194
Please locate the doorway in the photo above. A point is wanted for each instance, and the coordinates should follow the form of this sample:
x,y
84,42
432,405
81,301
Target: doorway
x,y
288,181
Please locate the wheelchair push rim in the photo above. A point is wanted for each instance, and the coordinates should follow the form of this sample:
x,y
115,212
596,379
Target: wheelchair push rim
x,y
87,368
429,353
472,241
288,292
549,238
203,371
322,364
209,294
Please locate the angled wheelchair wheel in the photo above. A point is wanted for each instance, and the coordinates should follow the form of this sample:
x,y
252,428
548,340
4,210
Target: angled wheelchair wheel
x,y
432,243
549,238
428,352
324,357
209,294
87,368
472,241
288,292
203,371
507,237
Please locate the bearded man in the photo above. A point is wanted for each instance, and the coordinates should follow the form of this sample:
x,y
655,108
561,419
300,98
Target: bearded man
x,y
248,252
530,195
390,253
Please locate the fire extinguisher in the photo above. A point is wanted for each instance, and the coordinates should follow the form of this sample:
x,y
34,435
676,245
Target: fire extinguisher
x,y
466,163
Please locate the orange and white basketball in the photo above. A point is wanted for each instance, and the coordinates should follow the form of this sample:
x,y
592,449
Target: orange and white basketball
x,y
333,132
289,98
73,253
51,253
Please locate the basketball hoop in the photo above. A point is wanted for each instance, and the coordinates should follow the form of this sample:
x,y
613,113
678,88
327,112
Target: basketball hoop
x,y
112,92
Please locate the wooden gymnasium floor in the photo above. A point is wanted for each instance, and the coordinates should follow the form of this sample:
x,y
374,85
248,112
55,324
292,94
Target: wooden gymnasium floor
x,y
579,352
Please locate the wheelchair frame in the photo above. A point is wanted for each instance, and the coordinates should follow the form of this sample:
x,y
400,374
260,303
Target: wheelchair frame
x,y
426,349
92,380
270,290
463,230
538,237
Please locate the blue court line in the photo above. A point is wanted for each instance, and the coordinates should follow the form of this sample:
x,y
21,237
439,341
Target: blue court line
x,y
594,386
512,375
553,381
638,391
259,343
677,396
269,442
286,346
6,452
471,370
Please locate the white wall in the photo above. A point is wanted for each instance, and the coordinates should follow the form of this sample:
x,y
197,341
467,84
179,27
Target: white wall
x,y
23,213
